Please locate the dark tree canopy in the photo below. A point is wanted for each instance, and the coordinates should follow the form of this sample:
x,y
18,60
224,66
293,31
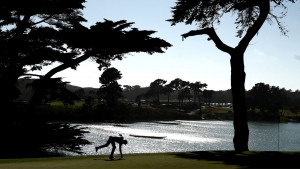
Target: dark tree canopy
x,y
207,13
197,89
110,91
29,31
104,42
177,84
109,76
180,86
108,40
37,33
156,87
266,97
30,38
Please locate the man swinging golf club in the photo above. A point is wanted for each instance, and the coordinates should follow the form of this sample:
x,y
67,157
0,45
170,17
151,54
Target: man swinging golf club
x,y
113,140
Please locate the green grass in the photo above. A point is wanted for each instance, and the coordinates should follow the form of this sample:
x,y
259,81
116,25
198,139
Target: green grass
x,y
59,103
210,159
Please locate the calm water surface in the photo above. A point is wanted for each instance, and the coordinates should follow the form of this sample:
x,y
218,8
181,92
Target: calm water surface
x,y
201,135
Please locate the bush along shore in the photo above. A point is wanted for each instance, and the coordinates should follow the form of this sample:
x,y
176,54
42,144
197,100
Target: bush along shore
x,y
80,112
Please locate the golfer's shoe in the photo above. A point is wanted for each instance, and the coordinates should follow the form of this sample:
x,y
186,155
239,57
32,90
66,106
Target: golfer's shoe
x,y
111,157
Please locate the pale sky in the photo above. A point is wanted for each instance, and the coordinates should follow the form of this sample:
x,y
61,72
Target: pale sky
x,y
270,58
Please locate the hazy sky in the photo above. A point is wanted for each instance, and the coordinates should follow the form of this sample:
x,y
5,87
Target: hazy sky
x,y
270,58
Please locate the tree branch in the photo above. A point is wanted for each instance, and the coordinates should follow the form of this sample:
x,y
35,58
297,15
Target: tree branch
x,y
43,20
279,24
30,74
67,65
213,36
264,8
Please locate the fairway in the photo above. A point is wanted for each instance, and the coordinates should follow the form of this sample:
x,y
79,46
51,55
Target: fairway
x,y
157,161
211,159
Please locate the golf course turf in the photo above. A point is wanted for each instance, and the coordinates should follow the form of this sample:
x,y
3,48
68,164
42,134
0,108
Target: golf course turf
x,y
189,160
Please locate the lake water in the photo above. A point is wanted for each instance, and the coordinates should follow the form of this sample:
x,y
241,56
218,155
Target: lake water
x,y
182,135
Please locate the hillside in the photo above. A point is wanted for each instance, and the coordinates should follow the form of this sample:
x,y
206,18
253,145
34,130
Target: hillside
x,y
26,89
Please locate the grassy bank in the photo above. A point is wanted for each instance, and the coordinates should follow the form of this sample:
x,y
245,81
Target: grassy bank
x,y
79,112
95,112
210,159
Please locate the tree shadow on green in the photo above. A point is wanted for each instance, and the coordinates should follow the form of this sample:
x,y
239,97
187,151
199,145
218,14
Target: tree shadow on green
x,y
251,159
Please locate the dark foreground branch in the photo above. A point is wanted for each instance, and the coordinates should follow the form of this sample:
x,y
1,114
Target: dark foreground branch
x,y
213,36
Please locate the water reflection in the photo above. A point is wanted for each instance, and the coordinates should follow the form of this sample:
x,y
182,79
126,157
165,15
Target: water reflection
x,y
193,136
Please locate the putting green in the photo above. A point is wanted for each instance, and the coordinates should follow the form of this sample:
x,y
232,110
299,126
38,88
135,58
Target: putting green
x,y
211,159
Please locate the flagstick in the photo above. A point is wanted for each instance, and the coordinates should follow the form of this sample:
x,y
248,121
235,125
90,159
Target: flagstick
x,y
278,133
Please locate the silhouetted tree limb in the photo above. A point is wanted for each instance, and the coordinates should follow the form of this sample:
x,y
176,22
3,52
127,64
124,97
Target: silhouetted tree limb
x,y
212,35
66,65
264,8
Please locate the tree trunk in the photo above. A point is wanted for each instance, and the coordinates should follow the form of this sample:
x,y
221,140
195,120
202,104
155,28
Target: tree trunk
x,y
199,99
9,93
240,122
158,96
178,98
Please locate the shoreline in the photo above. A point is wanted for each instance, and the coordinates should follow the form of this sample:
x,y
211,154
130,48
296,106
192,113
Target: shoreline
x,y
126,121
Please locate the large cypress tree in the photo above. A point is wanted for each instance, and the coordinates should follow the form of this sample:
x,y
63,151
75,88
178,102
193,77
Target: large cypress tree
x,y
37,33
250,16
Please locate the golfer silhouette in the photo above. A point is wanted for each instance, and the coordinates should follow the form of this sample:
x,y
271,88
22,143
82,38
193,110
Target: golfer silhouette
x,y
113,140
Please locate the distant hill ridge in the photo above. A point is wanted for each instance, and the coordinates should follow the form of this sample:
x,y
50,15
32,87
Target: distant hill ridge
x,y
26,92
